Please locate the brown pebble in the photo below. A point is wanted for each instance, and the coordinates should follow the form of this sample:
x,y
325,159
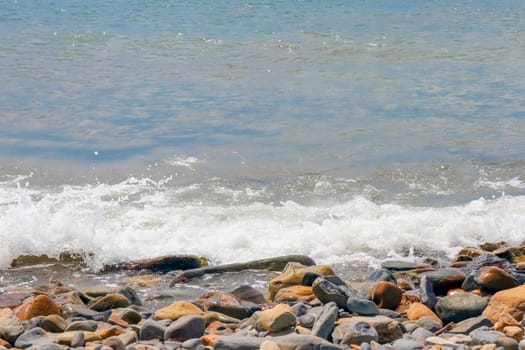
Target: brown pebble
x,y
387,295
41,305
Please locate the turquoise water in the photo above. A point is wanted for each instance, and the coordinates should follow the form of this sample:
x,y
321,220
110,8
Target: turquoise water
x,y
308,119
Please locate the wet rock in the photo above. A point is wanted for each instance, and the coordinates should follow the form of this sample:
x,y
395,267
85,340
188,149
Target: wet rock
x,y
362,306
426,291
293,274
470,324
514,254
185,327
67,338
417,311
176,310
228,304
54,323
430,323
87,325
387,328
382,275
328,292
387,295
41,305
493,279
249,293
354,333
114,343
128,315
10,326
294,293
109,301
272,264
459,307
445,279
487,260
33,337
276,319
152,330
131,295
160,264
511,301
323,324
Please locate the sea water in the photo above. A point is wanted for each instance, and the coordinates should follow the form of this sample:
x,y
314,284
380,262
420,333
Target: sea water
x,y
237,130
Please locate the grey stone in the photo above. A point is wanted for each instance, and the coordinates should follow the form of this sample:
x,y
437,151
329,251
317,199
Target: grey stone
x,y
130,316
470,324
152,330
420,334
307,320
429,322
303,342
406,344
324,324
354,333
426,291
522,344
77,339
192,344
186,327
131,295
389,313
382,275
460,306
249,293
86,325
301,309
362,306
10,327
483,336
236,342
54,323
51,346
33,337
327,292
398,265
114,343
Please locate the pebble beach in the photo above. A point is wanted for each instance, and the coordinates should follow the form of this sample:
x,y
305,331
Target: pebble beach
x,y
476,301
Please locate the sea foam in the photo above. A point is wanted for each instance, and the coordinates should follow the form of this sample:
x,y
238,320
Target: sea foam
x,y
141,218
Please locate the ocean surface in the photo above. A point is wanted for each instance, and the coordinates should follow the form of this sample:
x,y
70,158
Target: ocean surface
x,y
237,130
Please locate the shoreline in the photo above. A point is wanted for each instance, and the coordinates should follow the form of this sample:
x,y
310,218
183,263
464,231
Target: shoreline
x,y
401,305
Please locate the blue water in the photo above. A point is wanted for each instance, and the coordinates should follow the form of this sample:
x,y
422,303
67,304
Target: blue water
x,y
159,105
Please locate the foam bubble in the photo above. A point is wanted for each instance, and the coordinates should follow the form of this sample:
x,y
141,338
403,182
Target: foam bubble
x,y
141,218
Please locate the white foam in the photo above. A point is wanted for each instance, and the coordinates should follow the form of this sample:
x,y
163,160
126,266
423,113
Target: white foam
x,y
141,218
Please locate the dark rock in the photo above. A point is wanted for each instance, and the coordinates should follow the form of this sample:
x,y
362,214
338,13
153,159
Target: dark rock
x,y
493,279
186,327
250,294
362,306
87,325
161,264
387,295
114,343
327,292
420,334
309,278
109,301
192,344
152,330
131,295
272,264
429,323
236,342
445,279
228,304
34,337
483,336
398,265
354,333
77,340
470,284
130,316
301,309
470,324
54,323
382,275
426,291
10,326
487,260
460,306
324,323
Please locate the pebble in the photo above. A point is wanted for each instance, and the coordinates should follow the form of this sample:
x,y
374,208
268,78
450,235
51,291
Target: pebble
x,y
308,307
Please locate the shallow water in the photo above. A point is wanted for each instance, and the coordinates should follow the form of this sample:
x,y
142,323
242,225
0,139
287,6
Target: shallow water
x,y
239,130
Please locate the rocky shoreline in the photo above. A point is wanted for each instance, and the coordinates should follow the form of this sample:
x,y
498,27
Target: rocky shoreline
x,y
476,301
